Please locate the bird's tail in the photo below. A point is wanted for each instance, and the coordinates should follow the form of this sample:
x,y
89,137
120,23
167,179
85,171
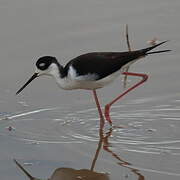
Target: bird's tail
x,y
146,50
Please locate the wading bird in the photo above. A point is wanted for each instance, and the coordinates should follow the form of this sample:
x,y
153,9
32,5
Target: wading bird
x,y
92,71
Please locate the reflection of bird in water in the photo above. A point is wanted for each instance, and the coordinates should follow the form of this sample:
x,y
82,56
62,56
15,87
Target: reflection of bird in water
x,y
69,174
92,71
85,174
121,161
104,143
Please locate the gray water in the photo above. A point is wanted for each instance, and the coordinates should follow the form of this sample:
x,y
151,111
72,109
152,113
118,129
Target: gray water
x,y
55,128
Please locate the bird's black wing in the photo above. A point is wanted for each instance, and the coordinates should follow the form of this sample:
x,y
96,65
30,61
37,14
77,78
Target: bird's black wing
x,y
101,64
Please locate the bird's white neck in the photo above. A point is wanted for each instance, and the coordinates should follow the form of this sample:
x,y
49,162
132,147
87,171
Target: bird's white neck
x,y
62,80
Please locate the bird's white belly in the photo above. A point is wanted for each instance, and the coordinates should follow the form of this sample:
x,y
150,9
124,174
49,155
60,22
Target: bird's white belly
x,y
70,83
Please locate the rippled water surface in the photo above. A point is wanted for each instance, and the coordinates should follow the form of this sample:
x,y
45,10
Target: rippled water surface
x,y
45,128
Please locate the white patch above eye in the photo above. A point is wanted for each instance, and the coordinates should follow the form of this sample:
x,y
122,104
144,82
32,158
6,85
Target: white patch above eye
x,y
42,64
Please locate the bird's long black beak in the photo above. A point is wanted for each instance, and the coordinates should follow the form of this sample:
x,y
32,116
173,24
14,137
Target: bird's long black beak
x,y
35,75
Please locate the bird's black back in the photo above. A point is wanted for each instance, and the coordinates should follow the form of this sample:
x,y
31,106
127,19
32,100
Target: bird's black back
x,y
101,63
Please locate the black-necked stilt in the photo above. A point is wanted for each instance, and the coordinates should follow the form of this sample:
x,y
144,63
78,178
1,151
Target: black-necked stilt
x,y
92,71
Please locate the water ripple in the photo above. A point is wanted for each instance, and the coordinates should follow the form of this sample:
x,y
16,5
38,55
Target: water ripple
x,y
149,128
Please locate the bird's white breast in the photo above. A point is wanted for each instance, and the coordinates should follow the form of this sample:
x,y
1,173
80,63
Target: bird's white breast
x,y
74,81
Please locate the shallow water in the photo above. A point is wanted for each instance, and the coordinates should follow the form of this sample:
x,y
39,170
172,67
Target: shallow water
x,y
52,128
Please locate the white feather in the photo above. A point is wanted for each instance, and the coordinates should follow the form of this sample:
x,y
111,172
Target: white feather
x,y
88,77
73,81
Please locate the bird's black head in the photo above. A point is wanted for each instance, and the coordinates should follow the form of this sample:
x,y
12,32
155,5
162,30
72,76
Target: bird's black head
x,y
46,65
44,62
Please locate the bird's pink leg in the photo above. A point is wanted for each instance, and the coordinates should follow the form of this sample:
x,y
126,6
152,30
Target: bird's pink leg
x,y
107,107
99,109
